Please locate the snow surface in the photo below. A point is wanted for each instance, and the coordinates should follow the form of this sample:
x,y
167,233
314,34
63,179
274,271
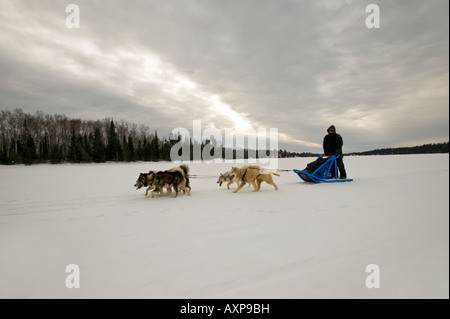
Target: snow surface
x,y
303,241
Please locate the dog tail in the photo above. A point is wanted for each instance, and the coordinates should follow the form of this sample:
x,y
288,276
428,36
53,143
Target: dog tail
x,y
276,174
187,183
185,169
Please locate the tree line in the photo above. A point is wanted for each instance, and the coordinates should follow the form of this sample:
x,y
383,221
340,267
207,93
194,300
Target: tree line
x,y
431,148
422,149
42,138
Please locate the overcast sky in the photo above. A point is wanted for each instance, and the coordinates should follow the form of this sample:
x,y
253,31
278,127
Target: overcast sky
x,y
298,66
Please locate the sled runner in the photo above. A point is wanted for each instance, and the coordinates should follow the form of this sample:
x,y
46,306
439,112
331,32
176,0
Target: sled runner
x,y
324,173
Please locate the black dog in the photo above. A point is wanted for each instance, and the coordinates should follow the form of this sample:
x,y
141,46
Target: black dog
x,y
169,179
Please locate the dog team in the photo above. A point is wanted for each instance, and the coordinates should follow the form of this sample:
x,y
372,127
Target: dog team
x,y
178,179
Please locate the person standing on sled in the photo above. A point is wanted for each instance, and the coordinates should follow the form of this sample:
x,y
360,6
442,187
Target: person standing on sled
x,y
332,145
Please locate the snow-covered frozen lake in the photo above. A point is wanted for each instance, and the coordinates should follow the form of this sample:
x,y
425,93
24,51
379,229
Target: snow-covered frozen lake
x,y
302,241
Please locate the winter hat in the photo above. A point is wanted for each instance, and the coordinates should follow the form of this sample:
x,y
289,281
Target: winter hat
x,y
331,128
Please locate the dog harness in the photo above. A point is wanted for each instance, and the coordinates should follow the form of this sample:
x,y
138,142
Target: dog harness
x,y
246,173
166,174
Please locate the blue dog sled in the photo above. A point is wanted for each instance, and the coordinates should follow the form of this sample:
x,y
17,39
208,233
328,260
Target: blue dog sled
x,y
323,173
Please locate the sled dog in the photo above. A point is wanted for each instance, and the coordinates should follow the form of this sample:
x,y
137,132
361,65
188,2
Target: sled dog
x,y
253,175
228,178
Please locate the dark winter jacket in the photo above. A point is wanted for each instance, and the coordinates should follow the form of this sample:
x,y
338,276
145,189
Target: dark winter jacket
x,y
332,143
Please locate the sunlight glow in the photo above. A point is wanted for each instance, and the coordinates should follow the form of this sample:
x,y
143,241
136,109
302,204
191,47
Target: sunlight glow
x,y
129,70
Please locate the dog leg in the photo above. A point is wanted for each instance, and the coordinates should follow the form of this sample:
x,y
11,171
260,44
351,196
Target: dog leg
x,y
274,185
255,188
169,191
186,189
239,187
228,185
259,184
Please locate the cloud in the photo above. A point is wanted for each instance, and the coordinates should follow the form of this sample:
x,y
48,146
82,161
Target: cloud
x,y
298,66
